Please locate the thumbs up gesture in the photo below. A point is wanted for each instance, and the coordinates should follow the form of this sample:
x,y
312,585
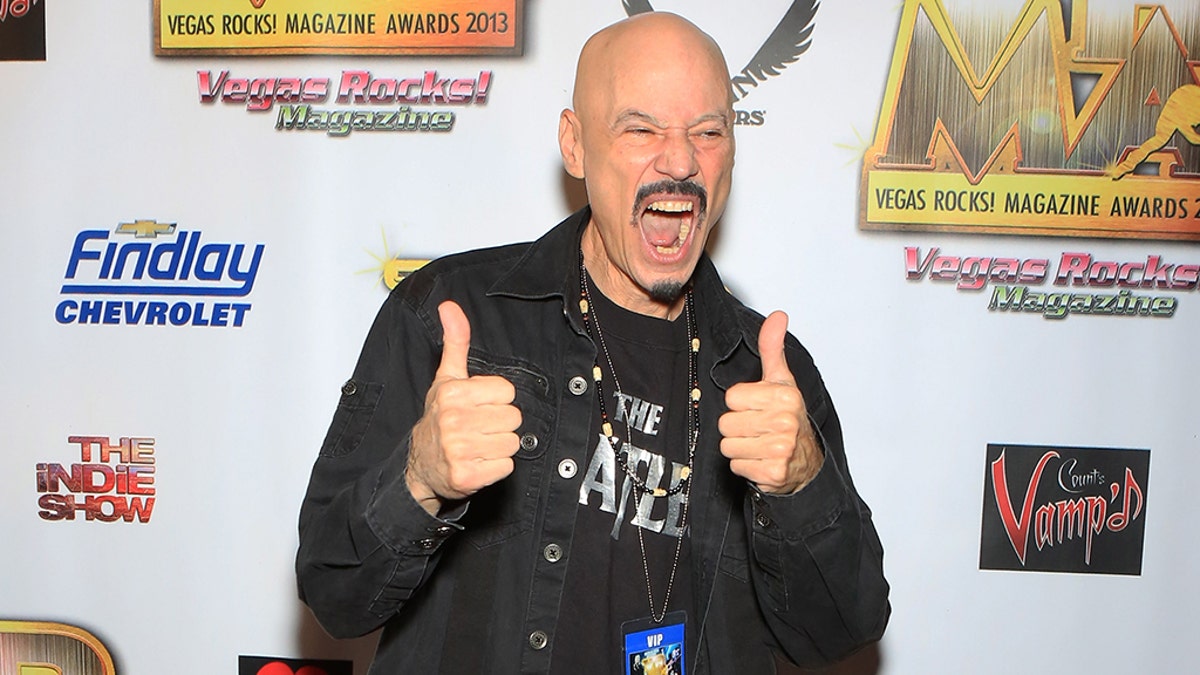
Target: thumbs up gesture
x,y
467,437
765,433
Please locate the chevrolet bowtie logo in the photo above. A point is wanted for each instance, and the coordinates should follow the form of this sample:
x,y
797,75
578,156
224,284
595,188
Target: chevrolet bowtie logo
x,y
146,229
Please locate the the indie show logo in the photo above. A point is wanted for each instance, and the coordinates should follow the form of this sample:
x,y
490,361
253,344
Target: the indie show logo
x,y
396,104
791,37
22,30
152,274
45,648
1060,509
1039,117
112,481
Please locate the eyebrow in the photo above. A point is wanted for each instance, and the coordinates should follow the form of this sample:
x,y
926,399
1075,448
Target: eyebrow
x,y
628,115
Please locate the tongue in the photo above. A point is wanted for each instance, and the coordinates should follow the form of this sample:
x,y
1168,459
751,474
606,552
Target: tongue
x,y
661,229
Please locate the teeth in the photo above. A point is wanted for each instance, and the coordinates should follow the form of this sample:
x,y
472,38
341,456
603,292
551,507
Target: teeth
x,y
671,207
683,233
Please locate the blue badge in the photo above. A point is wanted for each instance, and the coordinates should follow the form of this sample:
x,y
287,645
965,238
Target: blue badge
x,y
655,648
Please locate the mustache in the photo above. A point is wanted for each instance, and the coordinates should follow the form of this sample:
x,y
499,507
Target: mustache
x,y
688,188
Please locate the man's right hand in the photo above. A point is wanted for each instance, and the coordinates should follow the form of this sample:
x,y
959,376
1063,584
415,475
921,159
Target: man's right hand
x,y
467,437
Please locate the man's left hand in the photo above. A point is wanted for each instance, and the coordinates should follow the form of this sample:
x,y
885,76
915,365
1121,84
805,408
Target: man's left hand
x,y
766,434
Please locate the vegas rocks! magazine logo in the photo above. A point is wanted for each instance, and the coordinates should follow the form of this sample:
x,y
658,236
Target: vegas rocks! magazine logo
x,y
1039,117
1064,509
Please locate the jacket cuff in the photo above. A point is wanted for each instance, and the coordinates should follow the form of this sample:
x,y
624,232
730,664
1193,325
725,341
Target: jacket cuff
x,y
811,509
400,522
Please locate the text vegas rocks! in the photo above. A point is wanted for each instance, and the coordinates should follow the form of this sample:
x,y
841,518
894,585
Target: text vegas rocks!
x,y
1089,284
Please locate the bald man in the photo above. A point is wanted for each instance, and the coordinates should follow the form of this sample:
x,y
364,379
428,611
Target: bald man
x,y
559,456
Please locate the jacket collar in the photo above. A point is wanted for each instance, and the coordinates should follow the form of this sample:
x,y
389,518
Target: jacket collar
x,y
550,266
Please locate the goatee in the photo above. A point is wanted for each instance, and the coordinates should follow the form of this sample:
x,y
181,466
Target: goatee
x,y
666,291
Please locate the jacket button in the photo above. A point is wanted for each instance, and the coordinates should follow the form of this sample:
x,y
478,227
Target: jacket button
x,y
529,442
762,520
552,553
538,639
350,388
567,468
577,385
426,544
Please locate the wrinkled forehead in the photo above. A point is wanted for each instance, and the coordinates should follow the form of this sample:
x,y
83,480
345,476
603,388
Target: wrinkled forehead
x,y
660,61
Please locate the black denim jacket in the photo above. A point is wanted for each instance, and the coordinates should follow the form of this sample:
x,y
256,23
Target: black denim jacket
x,y
476,591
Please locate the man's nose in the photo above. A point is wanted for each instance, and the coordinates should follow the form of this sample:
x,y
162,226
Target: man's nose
x,y
678,156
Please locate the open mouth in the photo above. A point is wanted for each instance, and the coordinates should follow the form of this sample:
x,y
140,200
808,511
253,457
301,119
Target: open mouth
x,y
667,222
669,212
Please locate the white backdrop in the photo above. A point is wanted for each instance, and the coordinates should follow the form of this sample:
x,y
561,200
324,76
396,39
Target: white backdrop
x,y
924,376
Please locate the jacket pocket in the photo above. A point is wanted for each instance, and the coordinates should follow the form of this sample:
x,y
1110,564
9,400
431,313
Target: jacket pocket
x,y
354,411
506,508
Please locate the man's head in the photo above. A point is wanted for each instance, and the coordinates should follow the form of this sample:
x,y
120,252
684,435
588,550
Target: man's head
x,y
651,134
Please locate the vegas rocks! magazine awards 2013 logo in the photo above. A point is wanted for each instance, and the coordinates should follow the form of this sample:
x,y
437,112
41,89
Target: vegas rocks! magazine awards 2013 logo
x,y
1039,117
421,101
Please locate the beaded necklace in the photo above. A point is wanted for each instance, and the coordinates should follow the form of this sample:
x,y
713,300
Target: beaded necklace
x,y
592,324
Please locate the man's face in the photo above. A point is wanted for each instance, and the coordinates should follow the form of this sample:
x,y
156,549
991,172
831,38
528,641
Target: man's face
x,y
656,134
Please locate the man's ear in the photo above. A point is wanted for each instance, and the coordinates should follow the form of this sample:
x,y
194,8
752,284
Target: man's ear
x,y
570,143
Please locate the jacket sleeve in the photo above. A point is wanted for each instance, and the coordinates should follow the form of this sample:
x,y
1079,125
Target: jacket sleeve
x,y
365,544
816,559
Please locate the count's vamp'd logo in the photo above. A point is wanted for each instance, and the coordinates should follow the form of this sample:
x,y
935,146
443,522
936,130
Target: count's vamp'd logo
x,y
1039,117
153,274
1064,509
22,30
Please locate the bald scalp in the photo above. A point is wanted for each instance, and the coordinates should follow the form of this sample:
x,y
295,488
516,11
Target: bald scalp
x,y
649,40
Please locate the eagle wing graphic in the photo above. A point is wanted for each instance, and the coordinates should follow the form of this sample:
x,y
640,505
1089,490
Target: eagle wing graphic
x,y
636,7
791,38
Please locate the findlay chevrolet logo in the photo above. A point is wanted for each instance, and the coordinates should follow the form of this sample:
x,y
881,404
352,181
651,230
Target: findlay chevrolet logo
x,y
1083,123
791,38
110,275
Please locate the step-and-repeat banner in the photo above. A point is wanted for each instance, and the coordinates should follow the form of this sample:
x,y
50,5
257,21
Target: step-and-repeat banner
x,y
982,217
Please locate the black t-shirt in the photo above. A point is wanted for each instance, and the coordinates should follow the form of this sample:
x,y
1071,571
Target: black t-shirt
x,y
606,579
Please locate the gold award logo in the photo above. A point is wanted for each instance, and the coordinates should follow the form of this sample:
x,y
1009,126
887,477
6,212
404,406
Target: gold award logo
x,y
1039,118
270,27
46,648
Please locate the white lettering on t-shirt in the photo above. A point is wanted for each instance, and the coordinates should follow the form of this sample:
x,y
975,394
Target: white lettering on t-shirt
x,y
601,477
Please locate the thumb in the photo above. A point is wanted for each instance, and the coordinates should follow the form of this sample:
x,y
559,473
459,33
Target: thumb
x,y
456,341
770,348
